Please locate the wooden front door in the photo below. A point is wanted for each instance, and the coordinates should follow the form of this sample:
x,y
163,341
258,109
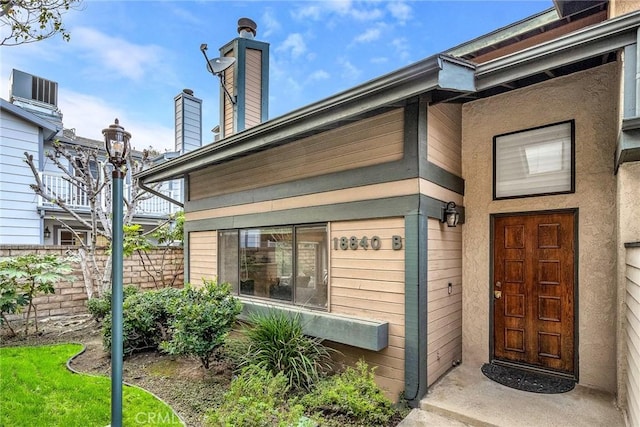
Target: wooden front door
x,y
533,290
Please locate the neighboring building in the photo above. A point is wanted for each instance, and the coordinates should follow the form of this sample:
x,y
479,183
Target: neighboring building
x,y
335,211
31,123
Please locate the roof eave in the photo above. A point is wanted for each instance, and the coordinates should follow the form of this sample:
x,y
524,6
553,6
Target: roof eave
x,y
438,71
50,130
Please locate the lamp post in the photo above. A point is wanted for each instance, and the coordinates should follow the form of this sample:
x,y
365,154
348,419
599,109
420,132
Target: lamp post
x,y
116,141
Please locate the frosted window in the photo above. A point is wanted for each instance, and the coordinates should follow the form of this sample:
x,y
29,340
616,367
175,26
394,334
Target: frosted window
x,y
537,161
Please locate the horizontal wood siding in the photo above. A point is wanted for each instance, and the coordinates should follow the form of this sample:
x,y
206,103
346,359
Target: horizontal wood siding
x,y
633,336
380,137
19,219
444,136
370,284
203,256
444,310
253,88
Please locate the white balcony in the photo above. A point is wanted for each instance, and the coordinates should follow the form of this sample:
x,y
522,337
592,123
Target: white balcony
x,y
78,200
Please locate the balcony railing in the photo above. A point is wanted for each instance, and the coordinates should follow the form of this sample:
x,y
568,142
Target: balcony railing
x,y
77,199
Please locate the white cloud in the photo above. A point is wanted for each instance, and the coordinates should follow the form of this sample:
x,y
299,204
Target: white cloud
x,y
341,8
371,34
401,47
88,115
400,11
318,75
117,56
379,60
270,22
349,71
294,44
312,12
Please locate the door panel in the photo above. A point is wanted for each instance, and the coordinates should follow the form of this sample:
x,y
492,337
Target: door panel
x,y
534,290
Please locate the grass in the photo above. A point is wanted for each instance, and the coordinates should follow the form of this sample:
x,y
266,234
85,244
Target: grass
x,y
36,389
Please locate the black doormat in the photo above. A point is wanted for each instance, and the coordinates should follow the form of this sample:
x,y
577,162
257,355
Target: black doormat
x,y
527,380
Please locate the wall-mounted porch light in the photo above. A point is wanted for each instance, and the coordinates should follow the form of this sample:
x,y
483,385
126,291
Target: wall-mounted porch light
x,y
46,233
450,214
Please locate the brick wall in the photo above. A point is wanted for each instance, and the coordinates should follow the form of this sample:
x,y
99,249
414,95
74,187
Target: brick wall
x,y
70,296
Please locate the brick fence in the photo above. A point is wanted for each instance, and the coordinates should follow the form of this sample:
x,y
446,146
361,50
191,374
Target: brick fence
x,y
70,296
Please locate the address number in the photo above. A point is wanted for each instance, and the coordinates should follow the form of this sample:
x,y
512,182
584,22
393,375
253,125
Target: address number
x,y
365,243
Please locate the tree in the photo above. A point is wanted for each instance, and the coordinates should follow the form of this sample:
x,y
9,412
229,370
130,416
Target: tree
x,y
165,237
28,21
23,278
89,182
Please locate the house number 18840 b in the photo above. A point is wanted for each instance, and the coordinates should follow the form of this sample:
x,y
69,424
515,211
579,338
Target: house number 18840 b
x,y
365,242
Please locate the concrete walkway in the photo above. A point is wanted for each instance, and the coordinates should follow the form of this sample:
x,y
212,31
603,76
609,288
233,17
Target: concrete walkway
x,y
465,397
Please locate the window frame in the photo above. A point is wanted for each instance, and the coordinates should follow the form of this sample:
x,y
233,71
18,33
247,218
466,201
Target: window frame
x,y
294,264
572,167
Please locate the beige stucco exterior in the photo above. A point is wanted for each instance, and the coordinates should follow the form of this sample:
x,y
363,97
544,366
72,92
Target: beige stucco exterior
x,y
591,99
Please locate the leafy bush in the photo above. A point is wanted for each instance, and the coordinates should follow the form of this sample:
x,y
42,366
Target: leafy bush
x,y
100,307
202,321
23,278
257,398
352,394
278,344
146,318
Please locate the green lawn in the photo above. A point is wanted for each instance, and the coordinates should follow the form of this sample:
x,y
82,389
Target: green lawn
x,y
36,389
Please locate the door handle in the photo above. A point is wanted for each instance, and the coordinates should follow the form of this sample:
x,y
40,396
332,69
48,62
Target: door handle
x,y
497,294
498,284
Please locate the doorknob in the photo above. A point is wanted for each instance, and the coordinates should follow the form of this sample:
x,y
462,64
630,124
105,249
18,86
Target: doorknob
x,y
497,294
498,284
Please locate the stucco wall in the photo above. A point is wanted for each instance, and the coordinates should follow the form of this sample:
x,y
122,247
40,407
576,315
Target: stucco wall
x,y
591,98
620,7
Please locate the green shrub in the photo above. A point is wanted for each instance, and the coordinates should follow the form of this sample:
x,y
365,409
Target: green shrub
x,y
257,398
101,306
201,321
146,318
352,394
278,344
23,278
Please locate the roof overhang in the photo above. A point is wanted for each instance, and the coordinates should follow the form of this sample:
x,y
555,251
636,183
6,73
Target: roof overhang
x,y
49,129
586,43
389,91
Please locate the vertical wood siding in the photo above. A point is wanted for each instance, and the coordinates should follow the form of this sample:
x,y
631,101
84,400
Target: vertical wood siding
x,y
444,310
633,336
229,81
253,88
370,284
381,137
444,136
19,220
203,256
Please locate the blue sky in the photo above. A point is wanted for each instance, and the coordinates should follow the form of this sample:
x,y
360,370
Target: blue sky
x,y
129,59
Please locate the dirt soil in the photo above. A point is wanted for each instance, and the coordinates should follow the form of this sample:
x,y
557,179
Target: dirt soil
x,y
181,382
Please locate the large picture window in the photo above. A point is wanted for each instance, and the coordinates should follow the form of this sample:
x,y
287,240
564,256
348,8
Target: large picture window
x,y
287,264
533,162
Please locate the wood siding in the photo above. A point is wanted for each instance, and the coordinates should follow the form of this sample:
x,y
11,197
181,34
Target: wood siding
x,y
229,81
444,310
633,336
19,219
370,284
253,89
444,136
203,256
340,149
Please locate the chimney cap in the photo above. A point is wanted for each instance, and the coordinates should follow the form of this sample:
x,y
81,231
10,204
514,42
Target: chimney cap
x,y
246,25
188,91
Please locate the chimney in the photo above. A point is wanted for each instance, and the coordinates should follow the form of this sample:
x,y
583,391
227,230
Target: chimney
x,y
247,80
188,110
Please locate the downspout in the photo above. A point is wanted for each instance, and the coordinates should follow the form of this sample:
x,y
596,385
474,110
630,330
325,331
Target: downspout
x,y
157,193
